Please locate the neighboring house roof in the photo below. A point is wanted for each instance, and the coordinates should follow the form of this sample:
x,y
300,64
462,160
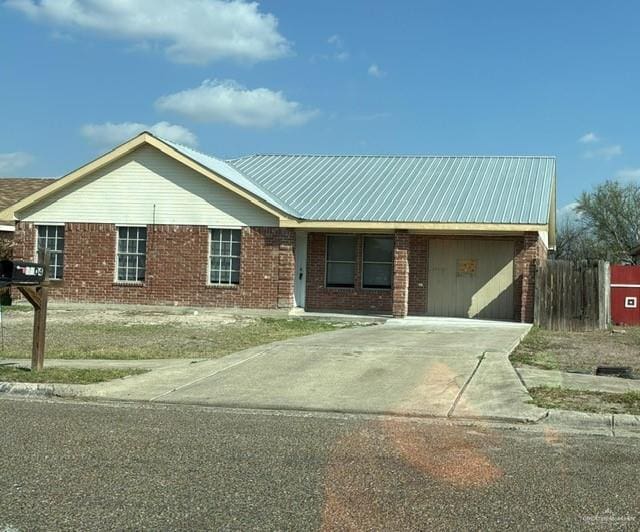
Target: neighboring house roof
x,y
506,190
13,189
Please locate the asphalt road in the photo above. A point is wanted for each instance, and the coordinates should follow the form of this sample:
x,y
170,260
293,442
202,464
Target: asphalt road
x,y
85,466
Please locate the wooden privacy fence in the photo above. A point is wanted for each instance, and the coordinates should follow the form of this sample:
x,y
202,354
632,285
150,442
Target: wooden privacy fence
x,y
572,296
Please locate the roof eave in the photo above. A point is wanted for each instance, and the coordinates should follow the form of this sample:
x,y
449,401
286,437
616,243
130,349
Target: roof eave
x,y
414,226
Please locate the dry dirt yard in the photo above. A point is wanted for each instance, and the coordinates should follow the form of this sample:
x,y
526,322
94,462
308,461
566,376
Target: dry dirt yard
x,y
580,351
76,331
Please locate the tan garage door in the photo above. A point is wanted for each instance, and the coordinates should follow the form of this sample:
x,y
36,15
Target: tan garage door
x,y
471,279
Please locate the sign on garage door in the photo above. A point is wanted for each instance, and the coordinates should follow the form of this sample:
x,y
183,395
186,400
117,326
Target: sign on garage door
x,y
470,279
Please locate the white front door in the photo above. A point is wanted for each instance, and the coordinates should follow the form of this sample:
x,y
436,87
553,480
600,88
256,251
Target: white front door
x,y
301,268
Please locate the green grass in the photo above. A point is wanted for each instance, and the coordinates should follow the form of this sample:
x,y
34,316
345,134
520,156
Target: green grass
x,y
586,401
8,309
121,341
534,351
64,375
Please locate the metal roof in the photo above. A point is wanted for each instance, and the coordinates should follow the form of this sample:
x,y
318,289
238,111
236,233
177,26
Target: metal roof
x,y
441,189
508,190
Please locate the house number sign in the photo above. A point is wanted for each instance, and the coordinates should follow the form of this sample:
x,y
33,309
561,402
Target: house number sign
x,y
466,266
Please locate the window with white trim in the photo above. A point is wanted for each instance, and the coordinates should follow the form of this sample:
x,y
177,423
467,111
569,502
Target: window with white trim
x,y
377,262
132,254
341,261
51,239
224,256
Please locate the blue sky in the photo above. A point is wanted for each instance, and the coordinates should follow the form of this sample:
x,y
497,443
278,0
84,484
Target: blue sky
x,y
232,78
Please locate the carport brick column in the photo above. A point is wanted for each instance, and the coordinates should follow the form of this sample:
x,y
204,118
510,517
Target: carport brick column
x,y
401,275
529,250
286,268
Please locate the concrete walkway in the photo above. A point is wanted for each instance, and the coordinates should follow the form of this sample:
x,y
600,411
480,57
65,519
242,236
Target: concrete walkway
x,y
414,367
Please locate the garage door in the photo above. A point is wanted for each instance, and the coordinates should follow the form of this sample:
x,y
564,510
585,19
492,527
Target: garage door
x,y
471,279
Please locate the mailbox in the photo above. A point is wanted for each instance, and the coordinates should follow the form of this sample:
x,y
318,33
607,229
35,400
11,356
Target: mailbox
x,y
19,272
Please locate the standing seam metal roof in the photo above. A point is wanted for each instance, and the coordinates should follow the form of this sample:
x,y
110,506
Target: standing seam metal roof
x,y
445,189
397,188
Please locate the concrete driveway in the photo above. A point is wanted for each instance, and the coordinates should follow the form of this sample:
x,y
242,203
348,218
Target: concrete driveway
x,y
415,366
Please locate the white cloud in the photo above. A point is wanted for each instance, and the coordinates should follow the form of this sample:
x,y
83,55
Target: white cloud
x,y
110,134
190,31
335,40
629,173
589,138
606,153
568,213
374,71
10,162
568,209
339,53
228,102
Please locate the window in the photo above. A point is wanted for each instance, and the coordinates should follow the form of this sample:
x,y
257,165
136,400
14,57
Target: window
x,y
224,256
132,254
51,239
341,261
377,262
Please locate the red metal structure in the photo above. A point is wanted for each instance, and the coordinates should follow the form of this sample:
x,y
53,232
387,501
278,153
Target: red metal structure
x,y
625,295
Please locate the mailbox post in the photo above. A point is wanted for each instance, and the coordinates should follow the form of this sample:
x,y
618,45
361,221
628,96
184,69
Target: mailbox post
x,y
30,278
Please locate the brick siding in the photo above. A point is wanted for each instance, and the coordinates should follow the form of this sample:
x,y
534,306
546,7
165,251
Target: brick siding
x,y
528,250
418,270
177,267
401,275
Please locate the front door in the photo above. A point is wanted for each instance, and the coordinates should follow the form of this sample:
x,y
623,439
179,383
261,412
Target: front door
x,y
301,268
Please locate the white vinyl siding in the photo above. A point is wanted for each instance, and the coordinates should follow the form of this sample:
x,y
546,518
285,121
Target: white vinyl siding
x,y
147,187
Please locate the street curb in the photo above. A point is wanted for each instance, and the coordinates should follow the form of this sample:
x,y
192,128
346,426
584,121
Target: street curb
x,y
354,411
506,419
613,425
36,389
41,390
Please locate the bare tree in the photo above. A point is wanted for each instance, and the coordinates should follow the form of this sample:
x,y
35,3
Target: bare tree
x,y
575,241
611,213
6,248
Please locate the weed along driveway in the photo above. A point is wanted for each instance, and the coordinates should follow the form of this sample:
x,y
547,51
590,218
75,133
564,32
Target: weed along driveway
x,y
421,366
